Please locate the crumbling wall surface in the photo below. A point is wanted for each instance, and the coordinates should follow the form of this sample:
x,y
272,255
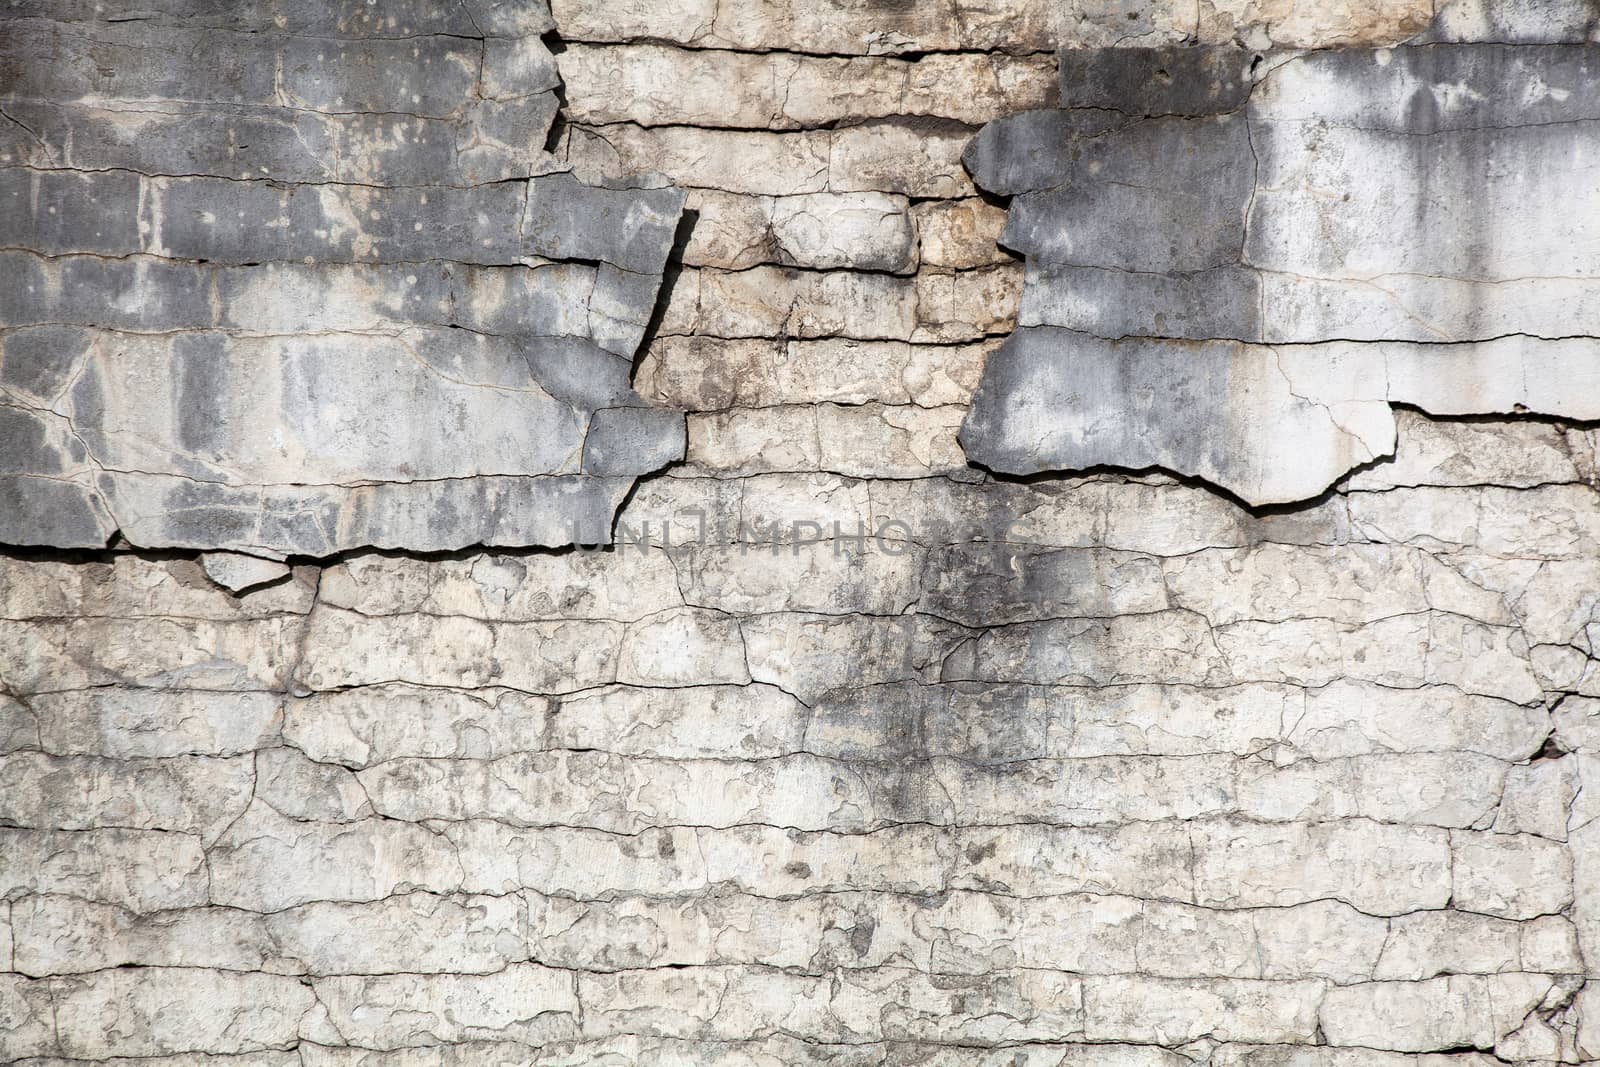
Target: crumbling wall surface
x,y
845,751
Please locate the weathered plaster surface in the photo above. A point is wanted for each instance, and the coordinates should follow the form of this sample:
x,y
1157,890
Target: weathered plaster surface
x,y
322,290
869,757
1238,260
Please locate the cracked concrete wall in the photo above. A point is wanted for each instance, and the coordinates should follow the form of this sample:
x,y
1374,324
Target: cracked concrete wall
x,y
846,751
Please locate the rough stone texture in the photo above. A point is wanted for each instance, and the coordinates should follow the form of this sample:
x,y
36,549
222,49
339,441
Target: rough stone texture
x,y
1320,236
844,751
382,314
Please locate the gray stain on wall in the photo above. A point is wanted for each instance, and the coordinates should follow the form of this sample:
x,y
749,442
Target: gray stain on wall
x,y
1237,261
319,290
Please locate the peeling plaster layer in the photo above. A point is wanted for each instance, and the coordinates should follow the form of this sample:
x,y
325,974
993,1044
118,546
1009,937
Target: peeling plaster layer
x,y
321,291
1216,233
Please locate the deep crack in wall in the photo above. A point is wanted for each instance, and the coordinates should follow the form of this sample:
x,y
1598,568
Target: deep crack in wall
x,y
847,751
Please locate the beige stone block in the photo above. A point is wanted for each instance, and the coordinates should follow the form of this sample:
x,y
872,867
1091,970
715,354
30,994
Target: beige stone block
x,y
290,784
129,587
184,794
428,932
1548,522
655,85
754,721
1460,1011
799,792
506,587
915,157
1444,452
25,1005
1172,1012
876,441
818,231
1378,869
1401,651
858,231
524,1003
755,441
57,934
707,374
730,231
175,652
961,234
1163,719
683,647
1347,718
821,573
1303,24
1319,939
684,21
155,1011
995,583
1431,943
497,858
345,649
129,723
1165,646
1105,790
840,27
777,302
367,725
714,1003
1538,799
1350,583
267,862
968,88
659,85
1577,723
1429,789
1515,876
967,305
758,164
809,655
142,870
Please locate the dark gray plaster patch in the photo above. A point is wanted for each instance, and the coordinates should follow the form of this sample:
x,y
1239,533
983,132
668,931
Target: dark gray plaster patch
x,y
428,76
240,142
1032,150
628,228
621,439
502,512
1220,410
37,364
1223,302
322,291
50,512
1176,80
1191,211
335,18
1144,174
